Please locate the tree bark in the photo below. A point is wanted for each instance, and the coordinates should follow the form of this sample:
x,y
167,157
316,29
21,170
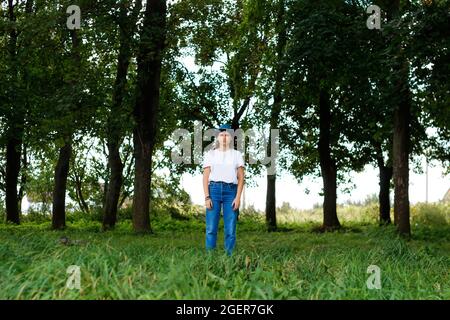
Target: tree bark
x,y
13,155
146,108
383,196
327,164
114,186
385,172
60,185
271,214
401,166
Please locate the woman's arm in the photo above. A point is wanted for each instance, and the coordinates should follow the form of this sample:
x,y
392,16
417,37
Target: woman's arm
x,y
240,177
206,172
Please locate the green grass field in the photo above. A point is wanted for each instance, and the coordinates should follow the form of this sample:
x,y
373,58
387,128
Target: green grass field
x,y
294,263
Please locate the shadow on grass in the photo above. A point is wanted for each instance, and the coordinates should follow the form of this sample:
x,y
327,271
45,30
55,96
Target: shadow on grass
x,y
341,229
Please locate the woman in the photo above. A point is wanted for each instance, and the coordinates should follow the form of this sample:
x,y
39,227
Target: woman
x,y
223,181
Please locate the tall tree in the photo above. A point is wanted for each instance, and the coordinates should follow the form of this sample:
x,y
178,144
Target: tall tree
x,y
15,132
127,26
65,150
149,59
76,99
402,119
367,98
281,39
322,41
16,118
327,162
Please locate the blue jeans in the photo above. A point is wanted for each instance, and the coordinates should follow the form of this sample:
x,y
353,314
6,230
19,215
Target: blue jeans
x,y
221,194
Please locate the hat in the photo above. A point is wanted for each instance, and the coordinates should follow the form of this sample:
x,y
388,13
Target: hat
x,y
224,127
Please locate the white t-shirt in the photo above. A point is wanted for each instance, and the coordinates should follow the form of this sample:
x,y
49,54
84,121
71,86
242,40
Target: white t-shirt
x,y
224,164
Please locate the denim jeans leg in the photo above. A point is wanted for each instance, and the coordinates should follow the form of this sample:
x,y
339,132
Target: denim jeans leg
x,y
212,219
229,218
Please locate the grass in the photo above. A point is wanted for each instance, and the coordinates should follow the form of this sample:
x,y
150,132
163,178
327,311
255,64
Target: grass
x,y
172,263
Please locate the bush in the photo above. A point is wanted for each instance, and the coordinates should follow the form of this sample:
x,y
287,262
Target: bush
x,y
95,215
175,216
125,213
35,216
431,214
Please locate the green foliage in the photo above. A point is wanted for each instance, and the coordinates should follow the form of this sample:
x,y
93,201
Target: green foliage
x,y
429,54
169,196
40,180
431,215
326,49
87,175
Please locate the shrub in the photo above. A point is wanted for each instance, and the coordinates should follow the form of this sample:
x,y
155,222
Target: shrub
x,y
431,214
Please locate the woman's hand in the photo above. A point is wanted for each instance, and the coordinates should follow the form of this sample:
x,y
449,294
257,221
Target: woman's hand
x,y
208,204
236,203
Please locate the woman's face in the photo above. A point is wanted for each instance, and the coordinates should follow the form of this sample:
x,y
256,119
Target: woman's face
x,y
224,138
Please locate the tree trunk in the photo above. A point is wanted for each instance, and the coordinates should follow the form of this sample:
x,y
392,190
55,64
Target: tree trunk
x,y
383,196
59,189
327,164
142,182
13,156
271,218
271,213
401,168
385,172
146,108
114,186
